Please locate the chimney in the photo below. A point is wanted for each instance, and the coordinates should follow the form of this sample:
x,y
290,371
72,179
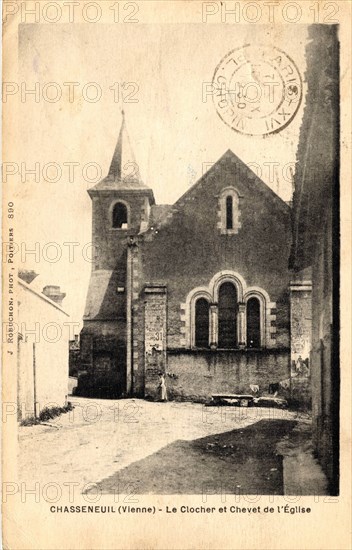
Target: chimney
x,y
54,293
27,275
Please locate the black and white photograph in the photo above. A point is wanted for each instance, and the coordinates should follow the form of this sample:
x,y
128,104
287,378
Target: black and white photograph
x,y
176,275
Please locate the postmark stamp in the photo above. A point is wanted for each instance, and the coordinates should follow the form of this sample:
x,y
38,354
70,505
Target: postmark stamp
x,y
257,89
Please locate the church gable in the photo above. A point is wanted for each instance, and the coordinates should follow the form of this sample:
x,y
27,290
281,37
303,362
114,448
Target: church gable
x,y
228,201
222,191
229,163
230,223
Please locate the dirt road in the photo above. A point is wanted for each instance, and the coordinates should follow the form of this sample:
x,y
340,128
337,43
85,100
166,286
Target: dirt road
x,y
145,447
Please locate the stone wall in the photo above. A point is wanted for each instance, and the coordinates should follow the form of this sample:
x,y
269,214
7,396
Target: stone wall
x,y
110,339
301,340
154,337
110,244
316,235
325,359
197,375
301,317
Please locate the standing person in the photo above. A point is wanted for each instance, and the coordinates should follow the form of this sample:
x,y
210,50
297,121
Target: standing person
x,y
162,387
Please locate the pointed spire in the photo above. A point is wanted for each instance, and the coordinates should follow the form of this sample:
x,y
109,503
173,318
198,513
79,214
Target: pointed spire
x,y
123,167
123,173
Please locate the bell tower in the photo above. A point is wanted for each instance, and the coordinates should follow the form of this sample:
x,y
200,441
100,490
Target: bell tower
x,y
121,204
120,211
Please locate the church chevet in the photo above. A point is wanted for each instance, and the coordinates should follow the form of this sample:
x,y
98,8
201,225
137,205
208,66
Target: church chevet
x,y
198,291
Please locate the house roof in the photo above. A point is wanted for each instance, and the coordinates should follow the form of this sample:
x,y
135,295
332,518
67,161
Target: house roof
x,y
40,295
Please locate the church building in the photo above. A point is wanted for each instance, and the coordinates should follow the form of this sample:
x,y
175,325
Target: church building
x,y
198,290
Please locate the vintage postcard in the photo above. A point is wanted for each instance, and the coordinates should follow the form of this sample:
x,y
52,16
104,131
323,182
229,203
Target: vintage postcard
x,y
176,275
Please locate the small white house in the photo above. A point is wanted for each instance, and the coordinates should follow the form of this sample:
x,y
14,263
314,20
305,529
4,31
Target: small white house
x,y
43,340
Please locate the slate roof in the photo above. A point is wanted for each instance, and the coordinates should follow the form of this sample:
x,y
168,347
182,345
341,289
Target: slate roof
x,y
158,213
40,295
98,286
124,171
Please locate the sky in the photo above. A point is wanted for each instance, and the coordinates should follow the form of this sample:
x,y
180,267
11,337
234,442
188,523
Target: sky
x,y
157,74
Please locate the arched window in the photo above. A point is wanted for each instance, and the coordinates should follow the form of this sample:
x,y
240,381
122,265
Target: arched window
x,y
202,323
227,316
229,212
120,216
253,323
